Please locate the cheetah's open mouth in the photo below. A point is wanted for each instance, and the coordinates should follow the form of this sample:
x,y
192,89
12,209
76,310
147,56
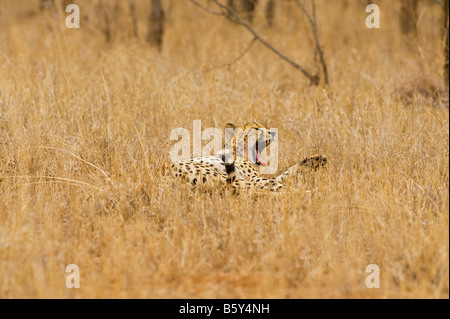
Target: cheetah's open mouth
x,y
257,154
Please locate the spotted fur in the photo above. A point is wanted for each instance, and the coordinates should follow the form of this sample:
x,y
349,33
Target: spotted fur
x,y
233,168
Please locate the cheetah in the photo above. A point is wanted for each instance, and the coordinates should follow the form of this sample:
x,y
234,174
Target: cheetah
x,y
237,166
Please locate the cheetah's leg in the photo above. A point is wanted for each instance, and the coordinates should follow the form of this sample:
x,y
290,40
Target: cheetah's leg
x,y
309,163
262,184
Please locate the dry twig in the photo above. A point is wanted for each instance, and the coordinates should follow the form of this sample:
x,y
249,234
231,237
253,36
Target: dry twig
x,y
231,15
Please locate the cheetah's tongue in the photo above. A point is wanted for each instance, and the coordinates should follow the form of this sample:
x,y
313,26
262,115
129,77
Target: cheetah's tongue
x,y
259,159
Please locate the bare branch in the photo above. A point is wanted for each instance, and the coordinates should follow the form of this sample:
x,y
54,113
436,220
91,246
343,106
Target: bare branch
x,y
232,16
229,64
207,10
313,22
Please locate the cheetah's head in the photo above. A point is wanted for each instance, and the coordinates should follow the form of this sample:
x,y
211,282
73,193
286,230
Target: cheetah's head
x,y
248,141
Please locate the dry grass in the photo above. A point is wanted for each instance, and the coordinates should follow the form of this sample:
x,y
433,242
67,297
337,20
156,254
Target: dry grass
x,y
85,125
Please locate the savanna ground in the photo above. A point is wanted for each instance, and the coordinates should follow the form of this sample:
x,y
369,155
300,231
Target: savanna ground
x,y
85,126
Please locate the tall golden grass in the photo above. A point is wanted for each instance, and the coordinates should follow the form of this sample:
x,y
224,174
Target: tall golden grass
x,y
85,126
